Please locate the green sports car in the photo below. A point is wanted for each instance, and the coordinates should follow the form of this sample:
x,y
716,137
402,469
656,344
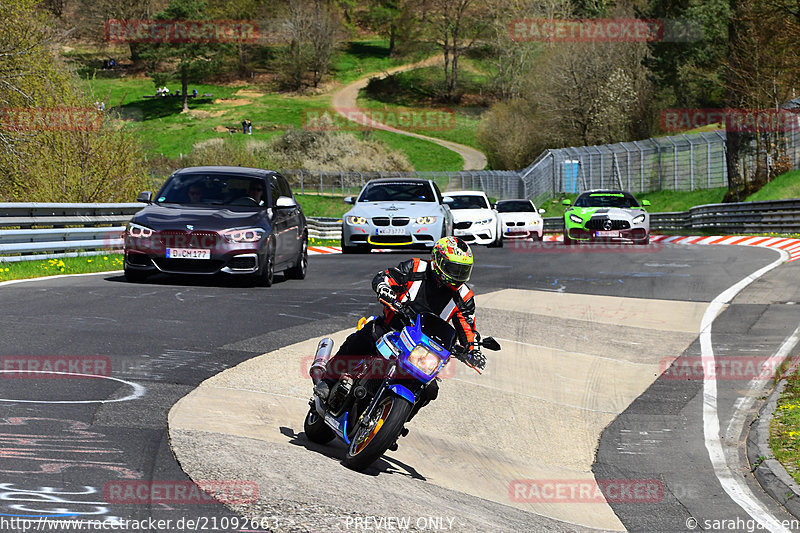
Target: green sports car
x,y
606,215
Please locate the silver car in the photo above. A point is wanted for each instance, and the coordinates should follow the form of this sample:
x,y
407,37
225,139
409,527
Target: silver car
x,y
402,213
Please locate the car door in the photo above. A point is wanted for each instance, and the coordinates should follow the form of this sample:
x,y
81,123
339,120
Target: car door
x,y
296,218
280,223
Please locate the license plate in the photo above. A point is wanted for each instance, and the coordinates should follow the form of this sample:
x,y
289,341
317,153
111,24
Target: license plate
x,y
460,232
607,234
390,231
188,253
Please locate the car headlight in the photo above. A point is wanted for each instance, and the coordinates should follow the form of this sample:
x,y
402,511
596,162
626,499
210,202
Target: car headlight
x,y
426,220
424,359
576,219
356,221
638,220
535,222
136,231
243,235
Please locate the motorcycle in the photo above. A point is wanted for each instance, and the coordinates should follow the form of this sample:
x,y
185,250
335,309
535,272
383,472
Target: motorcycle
x,y
370,403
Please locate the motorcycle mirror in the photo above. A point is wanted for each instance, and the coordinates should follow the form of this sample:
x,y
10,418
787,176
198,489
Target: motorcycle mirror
x,y
490,344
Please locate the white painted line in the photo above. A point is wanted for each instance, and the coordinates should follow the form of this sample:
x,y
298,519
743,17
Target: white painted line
x,y
733,484
26,280
138,390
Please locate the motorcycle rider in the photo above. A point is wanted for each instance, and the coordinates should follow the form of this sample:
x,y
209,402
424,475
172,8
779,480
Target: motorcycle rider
x,y
439,285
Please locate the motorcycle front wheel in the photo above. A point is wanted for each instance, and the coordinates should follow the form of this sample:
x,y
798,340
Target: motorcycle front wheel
x,y
372,441
316,429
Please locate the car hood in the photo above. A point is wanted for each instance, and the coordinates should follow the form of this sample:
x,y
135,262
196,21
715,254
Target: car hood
x,y
177,217
610,212
462,215
394,209
519,217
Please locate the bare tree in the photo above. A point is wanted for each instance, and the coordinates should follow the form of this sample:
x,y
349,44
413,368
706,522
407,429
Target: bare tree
x,y
455,26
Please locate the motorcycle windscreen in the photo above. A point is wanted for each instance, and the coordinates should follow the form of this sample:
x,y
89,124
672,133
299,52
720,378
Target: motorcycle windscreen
x,y
438,330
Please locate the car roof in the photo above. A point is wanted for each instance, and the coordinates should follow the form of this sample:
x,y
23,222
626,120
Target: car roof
x,y
514,200
242,171
607,191
464,193
395,180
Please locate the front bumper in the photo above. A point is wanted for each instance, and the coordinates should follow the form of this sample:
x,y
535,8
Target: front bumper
x,y
410,235
523,232
626,235
150,254
477,234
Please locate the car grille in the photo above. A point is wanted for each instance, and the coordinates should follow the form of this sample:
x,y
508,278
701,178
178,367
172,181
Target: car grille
x,y
196,266
189,239
385,221
512,224
462,225
598,224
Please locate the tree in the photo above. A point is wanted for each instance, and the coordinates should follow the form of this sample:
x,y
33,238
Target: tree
x,y
455,25
190,61
313,29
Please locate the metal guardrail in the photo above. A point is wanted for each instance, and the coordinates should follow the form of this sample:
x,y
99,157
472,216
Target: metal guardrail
x,y
34,231
31,231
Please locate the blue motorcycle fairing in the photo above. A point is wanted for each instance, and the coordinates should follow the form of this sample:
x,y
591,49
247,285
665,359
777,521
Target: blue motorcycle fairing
x,y
403,392
411,336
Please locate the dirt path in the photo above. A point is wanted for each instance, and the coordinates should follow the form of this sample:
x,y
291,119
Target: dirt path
x,y
344,102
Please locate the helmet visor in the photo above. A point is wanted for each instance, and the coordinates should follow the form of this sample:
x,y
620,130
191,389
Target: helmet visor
x,y
456,272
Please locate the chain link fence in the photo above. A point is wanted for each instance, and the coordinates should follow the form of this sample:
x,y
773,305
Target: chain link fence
x,y
497,184
677,163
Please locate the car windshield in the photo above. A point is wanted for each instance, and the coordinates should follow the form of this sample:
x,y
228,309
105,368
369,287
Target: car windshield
x,y
469,202
515,206
397,192
622,200
214,189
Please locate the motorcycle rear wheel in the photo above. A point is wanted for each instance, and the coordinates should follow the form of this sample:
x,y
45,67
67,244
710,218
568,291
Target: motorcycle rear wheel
x,y
372,441
316,429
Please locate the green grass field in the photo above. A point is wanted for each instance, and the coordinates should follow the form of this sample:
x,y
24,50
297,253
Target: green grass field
x,y
785,427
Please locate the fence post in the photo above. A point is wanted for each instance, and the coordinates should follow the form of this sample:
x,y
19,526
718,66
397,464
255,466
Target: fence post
x,y
660,170
302,184
691,161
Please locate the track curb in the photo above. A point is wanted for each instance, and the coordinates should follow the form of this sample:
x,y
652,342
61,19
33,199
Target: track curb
x,y
769,472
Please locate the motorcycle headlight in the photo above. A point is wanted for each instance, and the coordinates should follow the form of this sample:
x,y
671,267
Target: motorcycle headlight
x,y
638,220
243,235
576,219
356,221
424,359
426,220
136,231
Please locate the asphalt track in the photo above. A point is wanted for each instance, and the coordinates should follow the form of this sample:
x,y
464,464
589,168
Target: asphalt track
x,y
163,338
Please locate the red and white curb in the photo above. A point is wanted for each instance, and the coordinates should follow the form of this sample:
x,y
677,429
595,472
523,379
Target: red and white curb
x,y
789,245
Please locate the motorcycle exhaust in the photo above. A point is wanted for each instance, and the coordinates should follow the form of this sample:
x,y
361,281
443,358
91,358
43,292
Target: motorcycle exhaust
x,y
324,349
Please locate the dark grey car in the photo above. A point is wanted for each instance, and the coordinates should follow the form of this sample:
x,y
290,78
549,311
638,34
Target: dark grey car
x,y
205,220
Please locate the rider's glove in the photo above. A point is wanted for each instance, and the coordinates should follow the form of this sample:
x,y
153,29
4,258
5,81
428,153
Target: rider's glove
x,y
386,293
476,359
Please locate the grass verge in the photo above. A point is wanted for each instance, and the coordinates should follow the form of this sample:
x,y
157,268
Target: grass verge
x,y
784,432
56,267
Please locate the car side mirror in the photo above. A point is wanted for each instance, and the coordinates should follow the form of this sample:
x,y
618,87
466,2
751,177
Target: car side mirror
x,y
447,200
646,203
566,201
284,202
349,200
490,344
145,197
542,211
